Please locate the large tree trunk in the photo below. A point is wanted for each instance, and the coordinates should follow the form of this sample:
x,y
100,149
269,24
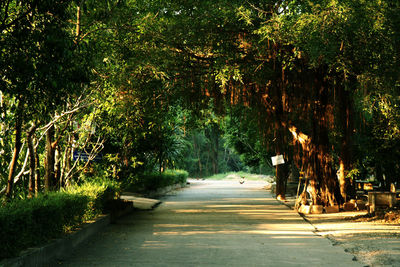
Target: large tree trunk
x,y
78,23
66,161
317,164
32,161
281,178
317,158
160,158
198,152
215,136
281,169
57,166
49,176
345,116
17,149
37,172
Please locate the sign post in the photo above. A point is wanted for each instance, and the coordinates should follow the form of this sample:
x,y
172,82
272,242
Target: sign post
x,y
277,160
83,156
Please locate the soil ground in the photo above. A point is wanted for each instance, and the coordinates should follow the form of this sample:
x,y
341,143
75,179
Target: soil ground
x,y
374,241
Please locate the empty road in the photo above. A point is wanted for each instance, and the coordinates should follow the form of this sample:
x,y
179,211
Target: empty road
x,y
212,223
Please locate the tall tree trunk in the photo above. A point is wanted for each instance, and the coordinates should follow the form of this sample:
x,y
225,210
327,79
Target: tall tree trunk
x,y
317,164
160,160
37,172
32,161
49,176
2,116
215,135
68,156
57,166
66,166
17,149
281,177
197,149
345,116
281,169
78,23
323,163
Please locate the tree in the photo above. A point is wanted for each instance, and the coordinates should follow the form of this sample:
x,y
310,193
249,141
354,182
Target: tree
x,y
39,65
314,81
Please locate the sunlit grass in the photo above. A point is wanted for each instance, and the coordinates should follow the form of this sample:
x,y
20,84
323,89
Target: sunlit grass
x,y
237,175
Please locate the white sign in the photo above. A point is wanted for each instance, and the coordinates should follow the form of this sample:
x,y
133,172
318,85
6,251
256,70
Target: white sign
x,y
277,160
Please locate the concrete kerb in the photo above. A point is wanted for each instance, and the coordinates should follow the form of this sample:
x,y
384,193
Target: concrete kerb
x,y
60,248
290,204
163,191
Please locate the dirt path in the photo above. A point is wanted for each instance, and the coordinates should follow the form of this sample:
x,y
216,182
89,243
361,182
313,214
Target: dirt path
x,y
373,243
212,223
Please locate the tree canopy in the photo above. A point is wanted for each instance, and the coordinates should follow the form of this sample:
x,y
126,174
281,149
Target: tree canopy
x,y
149,83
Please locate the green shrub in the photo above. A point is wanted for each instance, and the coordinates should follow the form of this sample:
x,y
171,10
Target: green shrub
x,y
29,222
153,181
99,192
180,175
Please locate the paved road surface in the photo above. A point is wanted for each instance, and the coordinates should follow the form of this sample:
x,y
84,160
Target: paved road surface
x,y
212,223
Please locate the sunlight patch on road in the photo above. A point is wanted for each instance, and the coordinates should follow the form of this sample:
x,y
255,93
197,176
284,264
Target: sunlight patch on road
x,y
236,206
233,232
155,244
292,244
356,231
286,226
180,225
275,214
292,237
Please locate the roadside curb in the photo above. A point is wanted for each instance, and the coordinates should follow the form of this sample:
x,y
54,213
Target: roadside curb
x,y
333,241
59,248
163,191
287,203
290,205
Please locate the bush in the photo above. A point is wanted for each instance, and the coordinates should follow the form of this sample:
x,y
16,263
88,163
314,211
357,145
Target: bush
x,y
154,181
176,176
29,222
99,192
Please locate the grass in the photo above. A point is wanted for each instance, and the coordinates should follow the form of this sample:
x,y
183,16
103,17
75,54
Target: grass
x,y
236,175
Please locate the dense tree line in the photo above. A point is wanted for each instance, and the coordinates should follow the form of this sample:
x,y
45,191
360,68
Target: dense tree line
x,y
315,81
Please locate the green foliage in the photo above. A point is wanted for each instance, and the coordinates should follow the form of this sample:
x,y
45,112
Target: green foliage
x,y
244,135
99,193
29,222
162,70
208,152
153,181
353,174
176,176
